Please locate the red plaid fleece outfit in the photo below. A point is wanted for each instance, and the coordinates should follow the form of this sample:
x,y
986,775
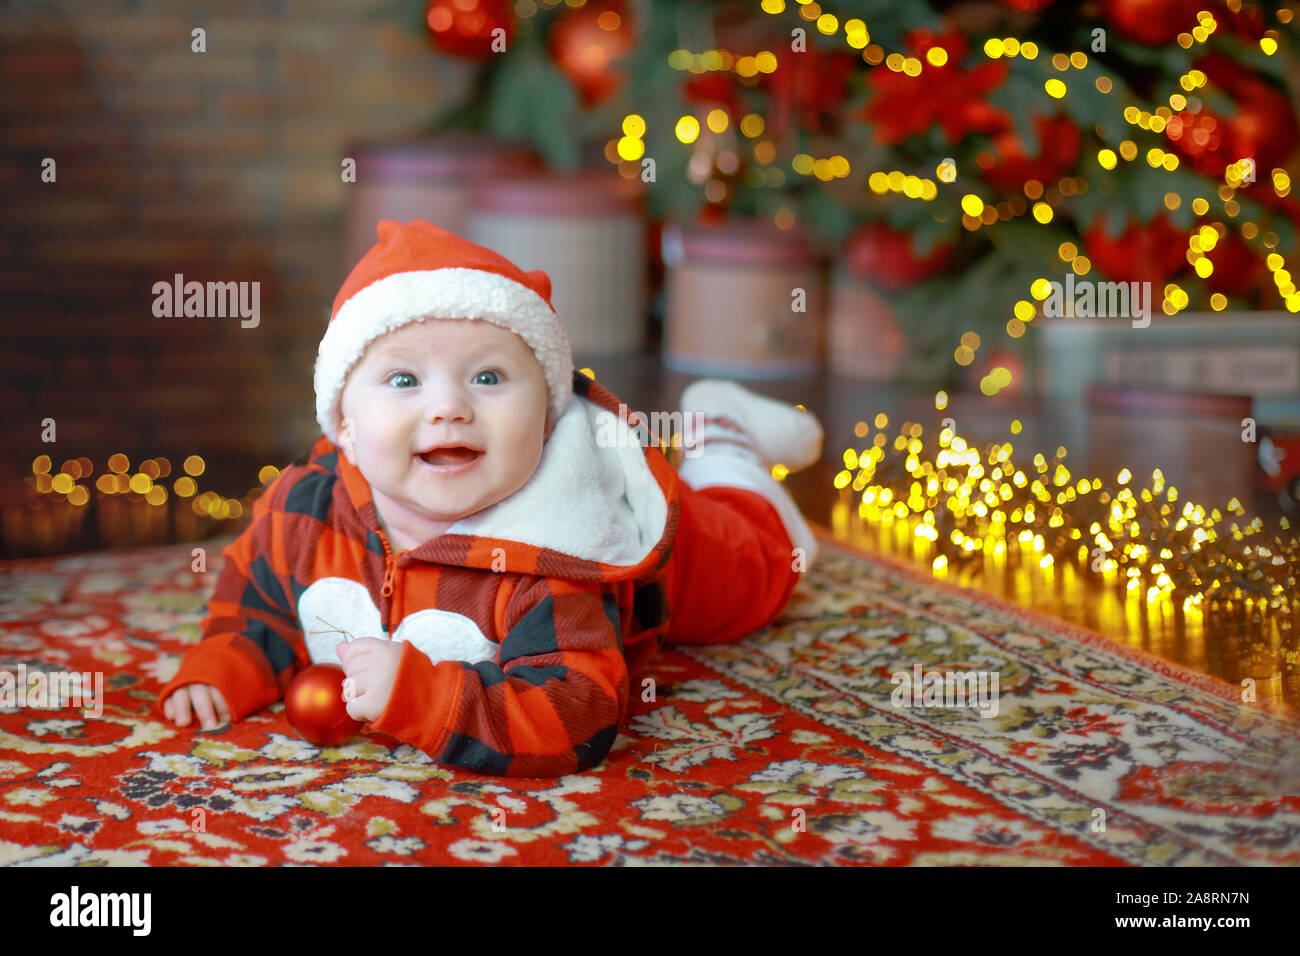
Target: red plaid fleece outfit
x,y
526,623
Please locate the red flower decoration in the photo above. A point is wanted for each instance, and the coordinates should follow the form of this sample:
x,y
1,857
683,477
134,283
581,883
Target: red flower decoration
x,y
1145,252
949,95
1059,141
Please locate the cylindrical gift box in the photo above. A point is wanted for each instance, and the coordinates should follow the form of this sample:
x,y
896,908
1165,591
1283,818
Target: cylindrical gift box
x,y
742,299
586,231
1194,438
426,177
864,339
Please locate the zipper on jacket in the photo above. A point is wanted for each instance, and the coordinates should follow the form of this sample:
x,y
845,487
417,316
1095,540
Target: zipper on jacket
x,y
390,565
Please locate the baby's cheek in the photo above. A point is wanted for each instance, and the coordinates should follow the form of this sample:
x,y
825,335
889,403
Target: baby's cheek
x,y
377,441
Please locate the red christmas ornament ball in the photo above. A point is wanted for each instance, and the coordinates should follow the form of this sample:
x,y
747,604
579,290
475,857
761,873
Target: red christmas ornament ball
x,y
1197,137
1246,24
1263,128
315,708
585,45
1144,252
1238,269
1154,22
466,28
887,258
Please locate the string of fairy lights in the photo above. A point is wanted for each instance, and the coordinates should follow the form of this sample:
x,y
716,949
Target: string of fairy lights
x,y
951,506
145,485
132,505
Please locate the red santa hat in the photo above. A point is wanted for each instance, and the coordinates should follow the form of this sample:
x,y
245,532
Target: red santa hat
x,y
418,271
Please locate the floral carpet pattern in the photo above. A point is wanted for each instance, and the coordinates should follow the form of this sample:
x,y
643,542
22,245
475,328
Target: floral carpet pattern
x,y
785,748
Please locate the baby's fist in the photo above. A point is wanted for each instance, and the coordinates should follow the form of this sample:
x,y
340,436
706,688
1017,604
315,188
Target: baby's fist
x,y
208,705
371,668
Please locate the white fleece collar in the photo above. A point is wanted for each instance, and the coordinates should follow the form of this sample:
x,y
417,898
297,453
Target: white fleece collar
x,y
594,500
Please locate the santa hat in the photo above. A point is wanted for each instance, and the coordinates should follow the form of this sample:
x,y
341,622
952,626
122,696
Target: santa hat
x,y
418,271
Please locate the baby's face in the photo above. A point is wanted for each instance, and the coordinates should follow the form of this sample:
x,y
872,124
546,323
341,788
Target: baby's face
x,y
439,382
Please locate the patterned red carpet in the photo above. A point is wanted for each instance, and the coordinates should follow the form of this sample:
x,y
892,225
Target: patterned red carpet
x,y
783,749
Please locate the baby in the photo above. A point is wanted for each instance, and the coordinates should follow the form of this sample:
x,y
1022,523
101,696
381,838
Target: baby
x,y
489,569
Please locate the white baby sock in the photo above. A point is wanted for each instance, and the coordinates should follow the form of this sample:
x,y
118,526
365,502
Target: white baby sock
x,y
734,437
782,433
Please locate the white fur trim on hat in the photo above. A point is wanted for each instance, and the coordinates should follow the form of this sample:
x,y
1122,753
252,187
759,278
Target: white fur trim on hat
x,y
454,293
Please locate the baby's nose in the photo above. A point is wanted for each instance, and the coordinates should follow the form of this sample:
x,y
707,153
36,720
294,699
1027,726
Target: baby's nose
x,y
448,403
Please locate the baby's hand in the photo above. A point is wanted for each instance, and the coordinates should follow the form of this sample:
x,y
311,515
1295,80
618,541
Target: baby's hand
x,y
371,667
207,701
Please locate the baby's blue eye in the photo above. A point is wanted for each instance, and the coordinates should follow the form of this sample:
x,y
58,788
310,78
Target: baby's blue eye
x,y
401,375
490,372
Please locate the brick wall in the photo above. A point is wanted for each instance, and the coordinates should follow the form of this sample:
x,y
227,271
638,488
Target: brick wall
x,y
222,166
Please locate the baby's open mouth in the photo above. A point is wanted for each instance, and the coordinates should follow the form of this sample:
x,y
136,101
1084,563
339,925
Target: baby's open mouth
x,y
450,456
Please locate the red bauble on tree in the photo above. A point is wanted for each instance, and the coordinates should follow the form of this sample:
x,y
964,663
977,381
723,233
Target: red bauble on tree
x,y
1263,126
1154,22
1246,24
1263,129
586,45
1058,150
887,258
1145,252
1199,138
1238,269
468,28
315,707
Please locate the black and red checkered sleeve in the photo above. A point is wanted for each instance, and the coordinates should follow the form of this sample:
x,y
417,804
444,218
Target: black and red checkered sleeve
x,y
550,704
252,643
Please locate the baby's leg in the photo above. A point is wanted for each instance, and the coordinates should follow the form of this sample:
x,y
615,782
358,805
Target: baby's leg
x,y
741,541
731,570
